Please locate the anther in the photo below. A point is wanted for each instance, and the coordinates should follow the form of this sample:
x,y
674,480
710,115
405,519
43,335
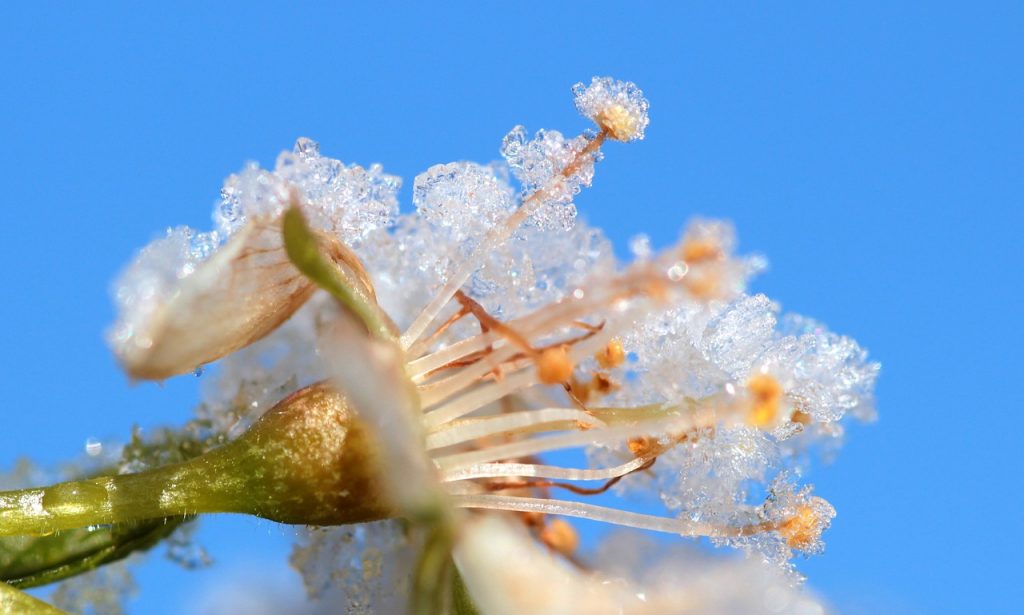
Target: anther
x,y
767,397
554,366
612,355
700,251
560,537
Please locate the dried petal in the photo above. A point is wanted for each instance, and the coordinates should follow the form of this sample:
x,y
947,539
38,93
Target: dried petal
x,y
242,293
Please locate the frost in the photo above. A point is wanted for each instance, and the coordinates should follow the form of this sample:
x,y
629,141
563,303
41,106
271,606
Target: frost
x,y
153,278
346,201
462,201
550,168
739,334
99,592
365,568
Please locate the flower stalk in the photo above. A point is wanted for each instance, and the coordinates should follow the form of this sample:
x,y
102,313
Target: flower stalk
x,y
306,461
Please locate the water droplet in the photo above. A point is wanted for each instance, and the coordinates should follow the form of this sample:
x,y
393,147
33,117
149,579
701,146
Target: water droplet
x,y
93,447
677,271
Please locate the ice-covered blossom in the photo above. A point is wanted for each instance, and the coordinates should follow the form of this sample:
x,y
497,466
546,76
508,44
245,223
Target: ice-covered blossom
x,y
510,333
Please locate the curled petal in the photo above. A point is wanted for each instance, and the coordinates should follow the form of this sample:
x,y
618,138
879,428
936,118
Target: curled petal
x,y
246,289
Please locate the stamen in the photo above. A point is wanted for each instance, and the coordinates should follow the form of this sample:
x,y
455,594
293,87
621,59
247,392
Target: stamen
x,y
531,470
700,251
478,398
535,446
542,484
584,510
514,423
767,394
612,355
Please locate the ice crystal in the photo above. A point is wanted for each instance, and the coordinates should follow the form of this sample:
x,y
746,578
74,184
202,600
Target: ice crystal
x,y
345,200
99,592
367,568
538,164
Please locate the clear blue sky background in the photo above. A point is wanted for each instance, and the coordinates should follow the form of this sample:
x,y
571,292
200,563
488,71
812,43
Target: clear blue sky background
x,y
873,150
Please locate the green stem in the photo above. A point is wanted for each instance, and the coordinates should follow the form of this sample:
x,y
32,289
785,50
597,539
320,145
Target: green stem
x,y
14,601
205,484
306,461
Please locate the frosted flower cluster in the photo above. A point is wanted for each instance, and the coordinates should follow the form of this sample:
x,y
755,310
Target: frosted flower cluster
x,y
485,331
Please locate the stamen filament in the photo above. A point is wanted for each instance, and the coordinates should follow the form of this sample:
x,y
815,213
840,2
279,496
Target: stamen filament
x,y
523,422
583,510
480,397
536,446
532,470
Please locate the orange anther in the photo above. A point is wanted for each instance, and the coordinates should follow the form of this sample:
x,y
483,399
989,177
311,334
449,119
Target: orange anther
x,y
612,355
560,537
767,397
554,366
700,250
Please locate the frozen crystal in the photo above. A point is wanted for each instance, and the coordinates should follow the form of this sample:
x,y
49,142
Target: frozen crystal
x,y
152,279
463,198
366,567
551,169
347,201
640,247
182,548
735,337
103,591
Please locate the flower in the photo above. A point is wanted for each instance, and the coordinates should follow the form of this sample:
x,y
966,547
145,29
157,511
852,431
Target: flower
x,y
491,328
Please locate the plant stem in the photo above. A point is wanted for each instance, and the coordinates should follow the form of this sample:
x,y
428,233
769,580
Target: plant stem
x,y
306,461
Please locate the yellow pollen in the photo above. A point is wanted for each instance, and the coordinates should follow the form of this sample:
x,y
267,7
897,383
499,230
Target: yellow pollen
x,y
767,397
704,286
700,251
801,417
803,529
554,366
641,446
612,355
532,519
617,122
602,384
560,537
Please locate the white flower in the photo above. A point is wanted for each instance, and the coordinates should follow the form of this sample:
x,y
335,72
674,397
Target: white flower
x,y
520,336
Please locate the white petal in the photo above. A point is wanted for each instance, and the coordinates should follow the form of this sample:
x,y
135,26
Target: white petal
x,y
371,374
507,572
242,293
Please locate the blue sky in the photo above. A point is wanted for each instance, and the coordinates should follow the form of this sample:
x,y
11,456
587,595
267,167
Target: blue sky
x,y
872,150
